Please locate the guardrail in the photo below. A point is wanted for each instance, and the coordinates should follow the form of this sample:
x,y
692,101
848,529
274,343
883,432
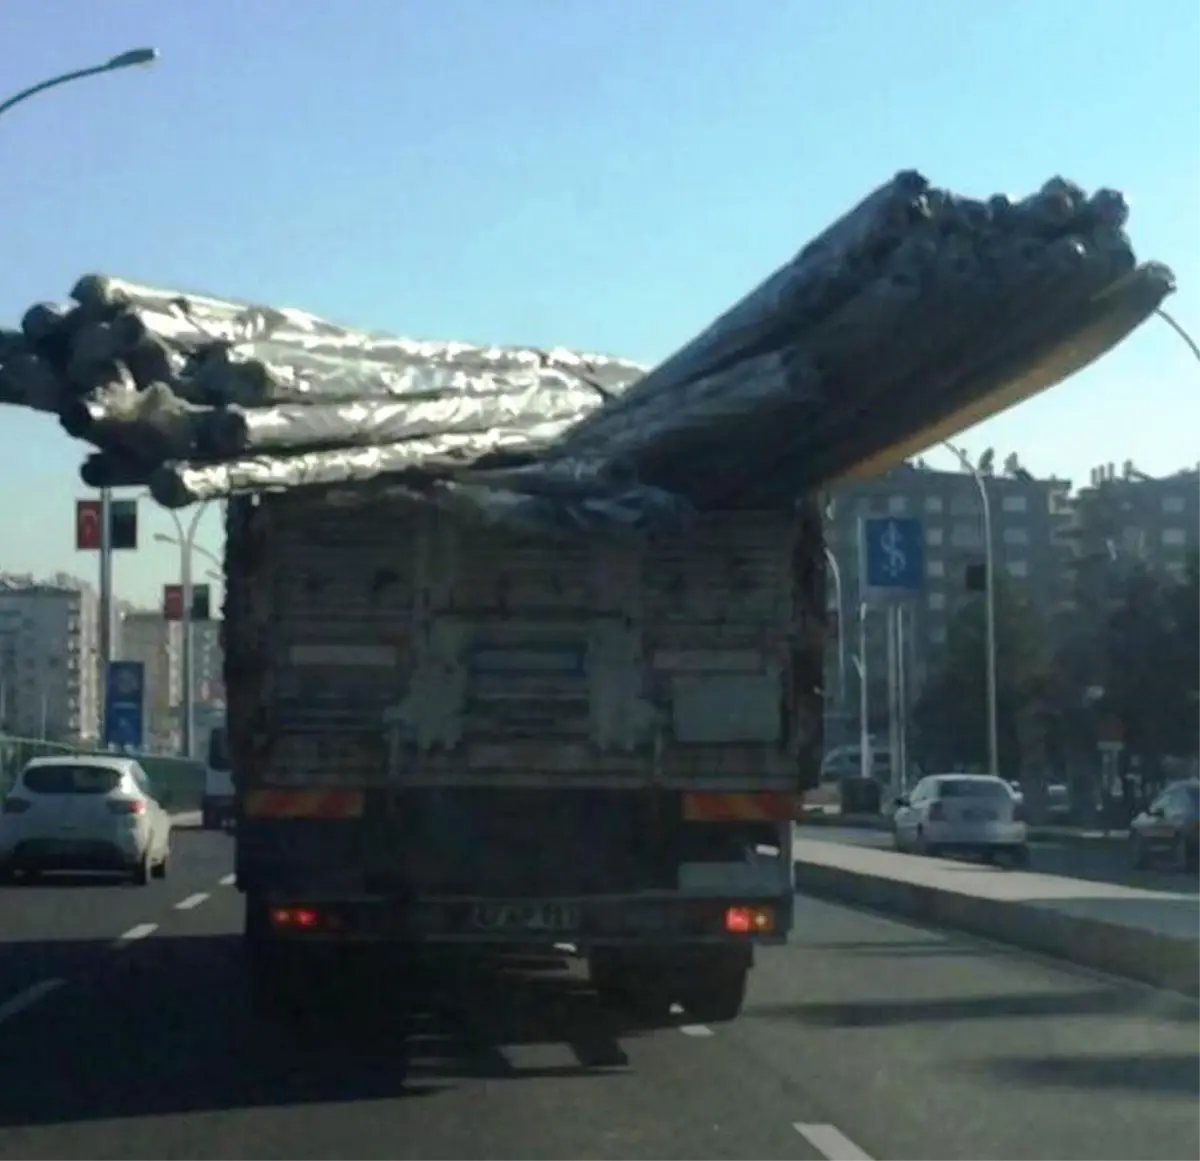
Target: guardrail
x,y
179,782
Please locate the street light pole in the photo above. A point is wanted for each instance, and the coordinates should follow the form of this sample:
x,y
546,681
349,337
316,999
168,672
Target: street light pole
x,y
186,543
836,572
131,59
993,730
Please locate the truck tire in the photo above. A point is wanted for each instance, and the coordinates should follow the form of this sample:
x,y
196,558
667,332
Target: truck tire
x,y
637,988
715,993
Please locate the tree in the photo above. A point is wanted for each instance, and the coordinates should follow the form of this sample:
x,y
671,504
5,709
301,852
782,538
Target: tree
x,y
951,713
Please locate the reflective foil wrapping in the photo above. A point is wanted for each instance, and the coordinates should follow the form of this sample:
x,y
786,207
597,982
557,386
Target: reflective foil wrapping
x,y
916,314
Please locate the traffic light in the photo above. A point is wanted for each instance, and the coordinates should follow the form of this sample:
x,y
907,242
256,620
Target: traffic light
x,y
123,529
976,578
201,603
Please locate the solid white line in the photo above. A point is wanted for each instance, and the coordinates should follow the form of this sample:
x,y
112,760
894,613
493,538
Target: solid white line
x,y
831,1142
228,880
138,932
696,1030
191,901
27,998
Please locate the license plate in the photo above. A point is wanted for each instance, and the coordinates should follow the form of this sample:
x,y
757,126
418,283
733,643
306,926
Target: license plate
x,y
551,918
980,815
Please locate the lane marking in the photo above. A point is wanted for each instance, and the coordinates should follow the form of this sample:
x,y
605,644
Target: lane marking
x,y
138,932
191,901
228,880
831,1142
26,999
696,1030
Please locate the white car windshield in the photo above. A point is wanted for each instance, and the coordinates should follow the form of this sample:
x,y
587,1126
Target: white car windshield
x,y
71,778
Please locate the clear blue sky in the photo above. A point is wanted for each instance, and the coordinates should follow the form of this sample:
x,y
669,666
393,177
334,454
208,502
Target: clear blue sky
x,y
597,173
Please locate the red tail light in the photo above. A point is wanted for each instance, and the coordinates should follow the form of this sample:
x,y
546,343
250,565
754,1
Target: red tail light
x,y
16,805
304,918
750,920
937,812
126,806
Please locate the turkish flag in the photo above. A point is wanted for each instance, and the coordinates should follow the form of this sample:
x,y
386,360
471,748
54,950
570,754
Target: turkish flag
x,y
173,602
87,525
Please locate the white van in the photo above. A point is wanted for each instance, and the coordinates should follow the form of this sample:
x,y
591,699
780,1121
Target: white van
x,y
217,806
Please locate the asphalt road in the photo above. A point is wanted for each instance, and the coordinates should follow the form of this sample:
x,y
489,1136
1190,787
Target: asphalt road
x,y
1105,861
878,1039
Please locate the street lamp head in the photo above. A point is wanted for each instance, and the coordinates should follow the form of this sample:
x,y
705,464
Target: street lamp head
x,y
133,58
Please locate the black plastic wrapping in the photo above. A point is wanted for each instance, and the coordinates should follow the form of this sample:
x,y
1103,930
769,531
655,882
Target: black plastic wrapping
x,y
916,314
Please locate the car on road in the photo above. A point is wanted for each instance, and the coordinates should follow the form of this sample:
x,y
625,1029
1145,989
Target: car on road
x,y
1169,828
84,813
962,813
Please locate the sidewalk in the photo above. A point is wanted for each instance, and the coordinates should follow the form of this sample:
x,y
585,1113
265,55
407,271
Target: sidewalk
x,y
1150,936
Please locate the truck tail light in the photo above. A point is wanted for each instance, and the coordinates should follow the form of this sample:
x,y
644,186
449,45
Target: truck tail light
x,y
295,918
750,920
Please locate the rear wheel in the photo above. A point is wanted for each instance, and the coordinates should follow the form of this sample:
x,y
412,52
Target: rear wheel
x,y
1137,852
716,992
159,870
140,875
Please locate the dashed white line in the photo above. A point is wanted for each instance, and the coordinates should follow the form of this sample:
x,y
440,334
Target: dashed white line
x,y
697,1030
134,933
831,1142
26,999
228,880
191,901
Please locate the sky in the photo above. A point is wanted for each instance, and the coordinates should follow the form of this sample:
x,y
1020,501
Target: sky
x,y
603,174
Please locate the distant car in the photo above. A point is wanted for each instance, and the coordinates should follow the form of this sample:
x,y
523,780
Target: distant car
x,y
1169,828
962,813
86,813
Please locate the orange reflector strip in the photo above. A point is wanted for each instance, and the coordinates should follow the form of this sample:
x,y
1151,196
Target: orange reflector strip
x,y
304,804
768,807
750,920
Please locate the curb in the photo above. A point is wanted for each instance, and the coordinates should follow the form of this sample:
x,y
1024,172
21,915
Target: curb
x,y
1155,958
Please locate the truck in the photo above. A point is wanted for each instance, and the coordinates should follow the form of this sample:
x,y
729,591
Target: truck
x,y
446,734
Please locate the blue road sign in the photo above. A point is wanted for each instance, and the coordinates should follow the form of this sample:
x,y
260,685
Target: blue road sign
x,y
125,693
895,555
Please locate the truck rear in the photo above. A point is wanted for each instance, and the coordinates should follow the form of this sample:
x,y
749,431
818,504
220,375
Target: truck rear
x,y
448,734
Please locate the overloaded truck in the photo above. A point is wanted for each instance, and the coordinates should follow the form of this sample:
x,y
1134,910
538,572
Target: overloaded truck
x,y
452,735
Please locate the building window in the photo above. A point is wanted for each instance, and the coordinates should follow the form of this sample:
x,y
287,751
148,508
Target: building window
x,y
935,567
933,536
897,505
1016,536
1016,503
1173,505
1017,568
933,504
936,601
1174,537
965,535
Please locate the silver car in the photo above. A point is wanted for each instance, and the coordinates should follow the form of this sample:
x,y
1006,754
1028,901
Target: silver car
x,y
84,813
962,813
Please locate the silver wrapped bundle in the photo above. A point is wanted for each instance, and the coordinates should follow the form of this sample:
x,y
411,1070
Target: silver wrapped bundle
x,y
913,316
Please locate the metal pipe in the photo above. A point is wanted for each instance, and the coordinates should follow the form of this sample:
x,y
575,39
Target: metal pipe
x,y
993,729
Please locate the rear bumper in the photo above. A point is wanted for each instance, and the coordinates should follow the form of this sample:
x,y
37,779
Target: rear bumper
x,y
582,923
72,855
977,836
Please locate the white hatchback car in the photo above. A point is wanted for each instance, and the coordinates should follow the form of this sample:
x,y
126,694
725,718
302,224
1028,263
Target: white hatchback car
x,y
967,813
84,813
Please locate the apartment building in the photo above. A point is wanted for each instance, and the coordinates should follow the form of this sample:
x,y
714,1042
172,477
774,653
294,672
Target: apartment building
x,y
1027,516
49,658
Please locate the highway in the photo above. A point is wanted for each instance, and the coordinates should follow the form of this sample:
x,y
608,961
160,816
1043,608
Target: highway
x,y
125,1033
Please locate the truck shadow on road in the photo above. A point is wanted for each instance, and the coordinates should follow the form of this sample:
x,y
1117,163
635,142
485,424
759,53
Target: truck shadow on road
x,y
166,1027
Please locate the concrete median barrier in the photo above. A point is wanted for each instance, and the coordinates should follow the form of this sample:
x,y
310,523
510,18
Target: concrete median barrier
x,y
1148,936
